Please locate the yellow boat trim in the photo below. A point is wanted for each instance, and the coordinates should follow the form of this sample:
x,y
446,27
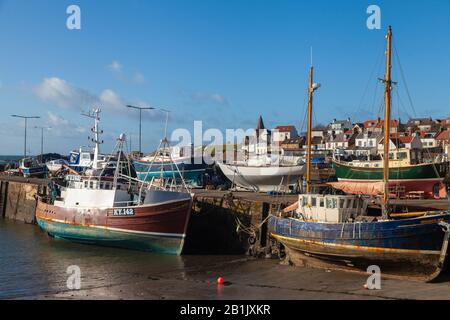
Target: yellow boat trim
x,y
284,239
409,214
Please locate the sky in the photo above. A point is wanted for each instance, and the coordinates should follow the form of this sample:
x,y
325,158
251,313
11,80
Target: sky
x,y
223,62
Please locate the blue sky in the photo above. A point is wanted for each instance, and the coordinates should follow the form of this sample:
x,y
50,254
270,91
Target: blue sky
x,y
220,61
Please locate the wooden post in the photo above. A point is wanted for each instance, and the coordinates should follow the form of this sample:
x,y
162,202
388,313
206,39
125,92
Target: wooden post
x,y
264,215
387,123
308,153
4,197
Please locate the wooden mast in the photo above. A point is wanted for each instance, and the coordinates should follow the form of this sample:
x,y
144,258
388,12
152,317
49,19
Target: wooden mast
x,y
387,122
308,155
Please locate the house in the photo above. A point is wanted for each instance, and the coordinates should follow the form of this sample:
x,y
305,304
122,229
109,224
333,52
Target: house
x,y
319,131
358,127
318,143
421,124
259,143
369,125
410,142
443,141
428,139
281,133
339,126
340,142
366,143
293,144
394,128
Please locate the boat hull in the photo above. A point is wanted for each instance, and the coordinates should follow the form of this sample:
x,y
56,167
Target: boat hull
x,y
410,247
426,178
159,227
263,179
34,171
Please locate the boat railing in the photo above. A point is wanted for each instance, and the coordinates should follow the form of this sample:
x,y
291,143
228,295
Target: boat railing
x,y
129,203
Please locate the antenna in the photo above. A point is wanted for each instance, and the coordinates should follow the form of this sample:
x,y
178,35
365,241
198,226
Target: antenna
x,y
95,114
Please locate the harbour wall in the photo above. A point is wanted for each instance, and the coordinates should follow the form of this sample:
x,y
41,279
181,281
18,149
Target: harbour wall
x,y
18,200
232,222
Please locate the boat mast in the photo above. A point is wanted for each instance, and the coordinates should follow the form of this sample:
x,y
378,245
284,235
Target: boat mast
x,y
387,123
95,114
308,154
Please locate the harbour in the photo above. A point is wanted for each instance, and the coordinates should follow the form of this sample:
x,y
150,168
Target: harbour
x,y
34,267
214,248
218,159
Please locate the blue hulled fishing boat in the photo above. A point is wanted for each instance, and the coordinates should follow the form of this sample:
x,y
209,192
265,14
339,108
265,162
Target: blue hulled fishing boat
x,y
31,167
339,229
191,169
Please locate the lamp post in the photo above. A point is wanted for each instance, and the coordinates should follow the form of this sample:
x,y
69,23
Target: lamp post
x,y
26,122
42,139
140,122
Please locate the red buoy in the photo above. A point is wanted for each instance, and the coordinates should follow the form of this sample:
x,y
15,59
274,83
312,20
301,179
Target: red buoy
x,y
220,280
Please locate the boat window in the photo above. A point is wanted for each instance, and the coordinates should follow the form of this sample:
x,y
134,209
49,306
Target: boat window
x,y
91,184
321,204
85,184
329,204
402,155
313,201
304,201
335,204
73,158
341,203
391,156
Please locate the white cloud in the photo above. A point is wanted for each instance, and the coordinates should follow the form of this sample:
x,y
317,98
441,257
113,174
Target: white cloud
x,y
60,92
61,126
63,94
56,120
117,69
138,78
115,66
208,98
110,99
218,98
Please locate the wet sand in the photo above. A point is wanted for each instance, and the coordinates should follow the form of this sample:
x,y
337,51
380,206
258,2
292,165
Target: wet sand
x,y
258,280
33,266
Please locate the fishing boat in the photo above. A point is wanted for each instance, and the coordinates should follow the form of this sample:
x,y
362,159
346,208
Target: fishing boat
x,y
410,171
54,166
338,231
264,168
191,168
264,176
109,206
31,167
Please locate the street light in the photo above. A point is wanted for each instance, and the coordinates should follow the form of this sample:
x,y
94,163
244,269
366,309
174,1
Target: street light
x,y
140,121
42,140
26,121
